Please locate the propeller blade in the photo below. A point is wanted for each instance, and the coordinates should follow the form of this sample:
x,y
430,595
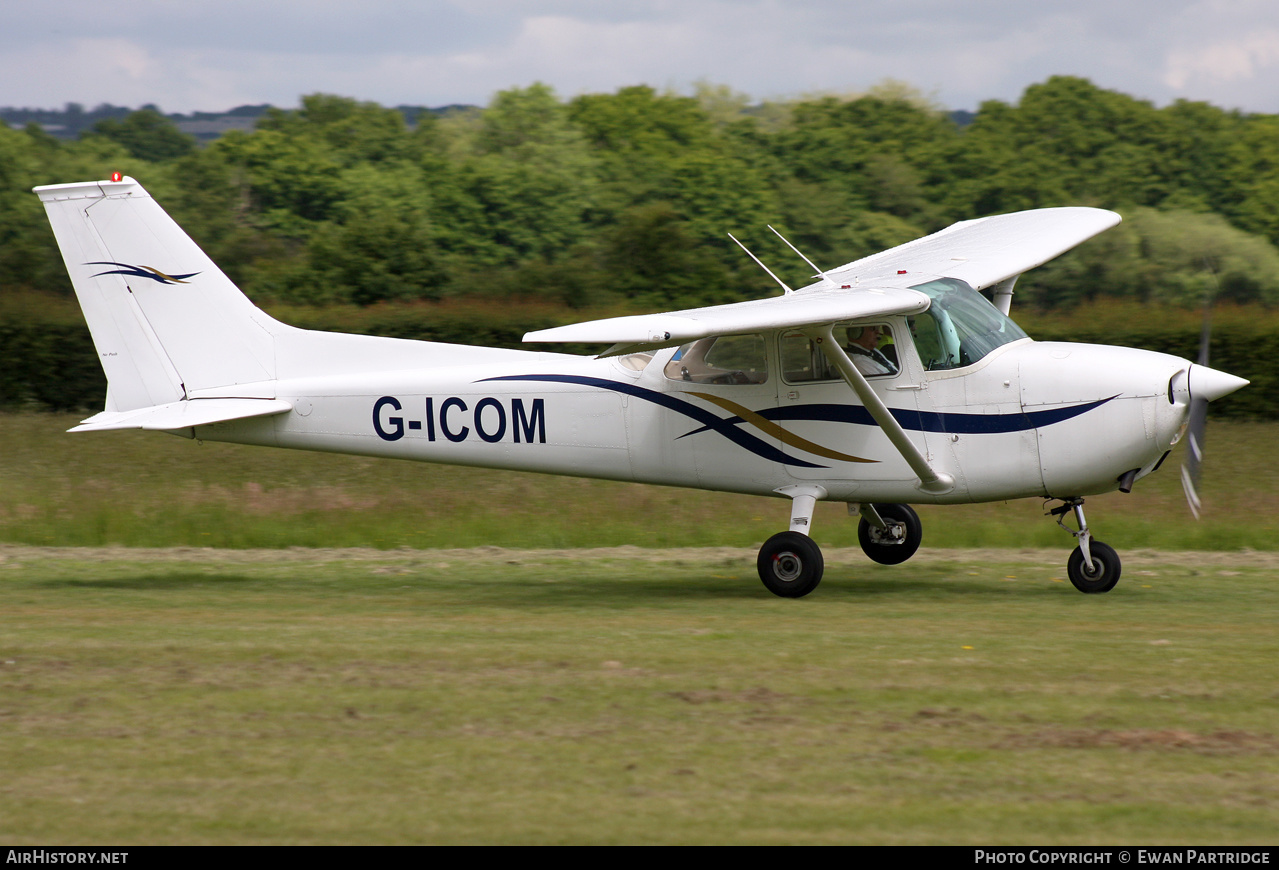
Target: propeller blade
x,y
1206,385
1198,421
1194,454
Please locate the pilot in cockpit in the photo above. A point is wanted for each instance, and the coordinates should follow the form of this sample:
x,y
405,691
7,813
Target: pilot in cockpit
x,y
863,349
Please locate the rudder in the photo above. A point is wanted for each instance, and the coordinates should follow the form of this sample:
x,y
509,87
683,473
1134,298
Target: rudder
x,y
165,320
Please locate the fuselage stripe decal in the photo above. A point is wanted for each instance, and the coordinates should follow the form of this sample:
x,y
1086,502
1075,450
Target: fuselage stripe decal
x,y
934,421
765,420
728,429
759,421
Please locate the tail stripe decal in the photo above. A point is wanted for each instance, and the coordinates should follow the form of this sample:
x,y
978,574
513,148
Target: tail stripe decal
x,y
141,272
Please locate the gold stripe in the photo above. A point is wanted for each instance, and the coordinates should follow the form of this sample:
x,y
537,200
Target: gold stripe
x,y
771,428
164,276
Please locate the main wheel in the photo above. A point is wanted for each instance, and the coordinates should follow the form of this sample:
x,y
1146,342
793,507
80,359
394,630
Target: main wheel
x,y
790,564
1104,573
899,541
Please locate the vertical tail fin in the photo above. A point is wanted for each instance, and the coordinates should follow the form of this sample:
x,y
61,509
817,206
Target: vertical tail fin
x,y
165,320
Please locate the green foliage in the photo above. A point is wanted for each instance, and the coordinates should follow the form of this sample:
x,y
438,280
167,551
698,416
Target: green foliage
x,y
47,360
373,257
637,120
1167,257
293,180
628,197
651,252
350,131
147,135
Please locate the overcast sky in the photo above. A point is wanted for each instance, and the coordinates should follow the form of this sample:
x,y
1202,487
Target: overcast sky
x,y
212,55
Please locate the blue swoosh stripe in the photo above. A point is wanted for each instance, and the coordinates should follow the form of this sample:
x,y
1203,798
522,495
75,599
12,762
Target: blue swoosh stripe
x,y
708,420
931,421
919,421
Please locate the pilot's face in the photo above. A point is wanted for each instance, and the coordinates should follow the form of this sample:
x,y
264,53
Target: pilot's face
x,y
869,337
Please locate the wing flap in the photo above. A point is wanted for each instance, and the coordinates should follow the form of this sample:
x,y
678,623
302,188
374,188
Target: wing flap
x,y
183,414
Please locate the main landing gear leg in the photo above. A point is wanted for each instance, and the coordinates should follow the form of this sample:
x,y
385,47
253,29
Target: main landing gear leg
x,y
1093,567
789,563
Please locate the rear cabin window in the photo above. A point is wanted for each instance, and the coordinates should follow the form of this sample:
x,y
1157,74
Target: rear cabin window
x,y
721,359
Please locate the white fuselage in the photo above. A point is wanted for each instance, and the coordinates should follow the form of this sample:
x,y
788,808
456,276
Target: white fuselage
x,y
1029,419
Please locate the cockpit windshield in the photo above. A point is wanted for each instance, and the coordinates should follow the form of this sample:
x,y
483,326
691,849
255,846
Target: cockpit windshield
x,y
960,327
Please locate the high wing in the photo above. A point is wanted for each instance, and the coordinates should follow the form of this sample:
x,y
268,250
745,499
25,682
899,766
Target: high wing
x,y
986,251
982,252
801,308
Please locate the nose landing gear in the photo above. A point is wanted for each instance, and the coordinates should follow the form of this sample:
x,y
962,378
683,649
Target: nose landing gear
x,y
1093,567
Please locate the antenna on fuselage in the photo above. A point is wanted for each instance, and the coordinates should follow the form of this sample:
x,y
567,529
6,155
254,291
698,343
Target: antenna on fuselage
x,y
760,264
816,268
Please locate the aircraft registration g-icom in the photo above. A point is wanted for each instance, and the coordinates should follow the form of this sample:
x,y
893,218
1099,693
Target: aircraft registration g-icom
x,y
889,381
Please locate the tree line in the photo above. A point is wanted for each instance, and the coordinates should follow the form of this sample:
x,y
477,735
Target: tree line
x,y
626,199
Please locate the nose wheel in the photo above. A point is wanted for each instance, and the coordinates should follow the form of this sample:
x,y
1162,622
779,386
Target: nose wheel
x,y
1093,567
1101,575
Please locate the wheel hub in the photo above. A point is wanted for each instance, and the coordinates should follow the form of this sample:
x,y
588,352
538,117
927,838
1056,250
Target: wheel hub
x,y
895,533
787,567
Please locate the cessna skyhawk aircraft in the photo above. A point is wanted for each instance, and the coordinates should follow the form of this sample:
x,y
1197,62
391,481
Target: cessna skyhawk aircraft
x,y
889,381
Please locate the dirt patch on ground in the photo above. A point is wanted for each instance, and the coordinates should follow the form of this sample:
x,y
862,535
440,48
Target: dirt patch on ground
x,y
1219,742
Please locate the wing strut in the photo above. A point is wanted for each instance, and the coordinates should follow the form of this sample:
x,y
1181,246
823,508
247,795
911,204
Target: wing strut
x,y
930,479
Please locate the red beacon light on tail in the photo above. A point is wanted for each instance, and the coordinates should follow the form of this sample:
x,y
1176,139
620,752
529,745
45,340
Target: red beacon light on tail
x,y
117,176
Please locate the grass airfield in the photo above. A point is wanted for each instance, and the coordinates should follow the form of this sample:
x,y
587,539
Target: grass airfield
x,y
629,697
501,694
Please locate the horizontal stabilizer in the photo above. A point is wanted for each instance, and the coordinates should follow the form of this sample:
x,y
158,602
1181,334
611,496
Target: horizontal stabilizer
x,y
184,414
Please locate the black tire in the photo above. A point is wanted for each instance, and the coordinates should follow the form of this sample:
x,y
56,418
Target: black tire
x,y
790,564
888,550
1105,573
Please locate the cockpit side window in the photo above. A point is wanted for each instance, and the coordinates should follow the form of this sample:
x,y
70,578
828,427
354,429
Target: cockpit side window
x,y
721,359
869,346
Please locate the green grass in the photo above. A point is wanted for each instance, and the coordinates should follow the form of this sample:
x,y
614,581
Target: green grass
x,y
549,695
143,489
325,696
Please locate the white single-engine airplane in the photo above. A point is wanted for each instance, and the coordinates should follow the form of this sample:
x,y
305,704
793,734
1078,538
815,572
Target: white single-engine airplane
x,y
891,380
